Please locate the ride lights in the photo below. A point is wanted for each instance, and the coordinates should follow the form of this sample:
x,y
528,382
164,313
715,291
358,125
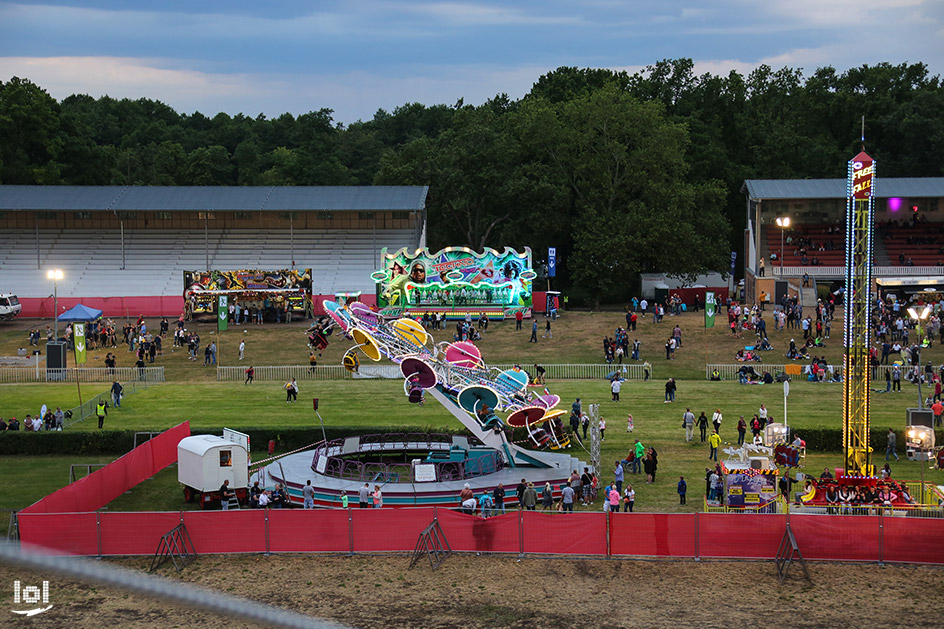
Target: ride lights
x,y
919,438
775,434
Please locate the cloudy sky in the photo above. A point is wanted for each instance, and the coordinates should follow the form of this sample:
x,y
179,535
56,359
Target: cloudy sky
x,y
273,56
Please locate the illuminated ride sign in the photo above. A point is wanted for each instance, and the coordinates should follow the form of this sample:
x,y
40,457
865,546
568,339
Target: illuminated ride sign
x,y
863,174
455,277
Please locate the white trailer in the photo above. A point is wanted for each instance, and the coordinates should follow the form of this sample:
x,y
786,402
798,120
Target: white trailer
x,y
205,461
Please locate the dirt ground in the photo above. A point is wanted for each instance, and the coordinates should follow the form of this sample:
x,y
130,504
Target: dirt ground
x,y
501,591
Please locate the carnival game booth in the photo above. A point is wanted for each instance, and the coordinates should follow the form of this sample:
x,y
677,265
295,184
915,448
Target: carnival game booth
x,y
268,291
456,282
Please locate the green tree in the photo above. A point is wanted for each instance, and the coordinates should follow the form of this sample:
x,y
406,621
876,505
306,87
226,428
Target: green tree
x,y
29,134
635,207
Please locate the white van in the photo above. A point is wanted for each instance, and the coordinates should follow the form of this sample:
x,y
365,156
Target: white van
x,y
9,306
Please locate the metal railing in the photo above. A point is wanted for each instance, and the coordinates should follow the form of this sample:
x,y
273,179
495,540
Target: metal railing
x,y
628,371
730,372
839,271
81,374
330,459
87,408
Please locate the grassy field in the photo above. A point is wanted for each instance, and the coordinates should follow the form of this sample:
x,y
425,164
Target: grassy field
x,y
577,338
193,394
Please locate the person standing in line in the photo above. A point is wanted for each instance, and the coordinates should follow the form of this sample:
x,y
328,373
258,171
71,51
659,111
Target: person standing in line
x,y
250,374
615,387
567,499
688,421
892,442
682,489
547,497
363,496
714,442
530,497
534,332
242,349
629,499
498,496
742,430
308,494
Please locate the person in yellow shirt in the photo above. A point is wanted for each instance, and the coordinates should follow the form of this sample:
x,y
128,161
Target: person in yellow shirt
x,y
714,441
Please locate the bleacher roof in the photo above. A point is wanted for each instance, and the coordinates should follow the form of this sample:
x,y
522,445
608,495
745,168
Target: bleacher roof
x,y
213,198
905,187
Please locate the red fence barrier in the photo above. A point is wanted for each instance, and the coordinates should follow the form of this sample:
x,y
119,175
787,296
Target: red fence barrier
x,y
835,538
104,485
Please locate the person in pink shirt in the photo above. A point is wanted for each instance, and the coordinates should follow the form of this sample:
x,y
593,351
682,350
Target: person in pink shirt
x,y
614,499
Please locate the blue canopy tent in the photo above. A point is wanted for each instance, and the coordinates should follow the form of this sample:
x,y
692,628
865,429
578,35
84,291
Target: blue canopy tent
x,y
81,313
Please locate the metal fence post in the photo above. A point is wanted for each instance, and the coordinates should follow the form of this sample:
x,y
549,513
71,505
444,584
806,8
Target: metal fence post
x,y
98,531
268,548
609,532
350,532
520,534
881,538
697,540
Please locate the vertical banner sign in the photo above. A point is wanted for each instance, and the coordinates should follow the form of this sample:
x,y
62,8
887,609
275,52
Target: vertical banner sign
x,y
222,316
710,307
78,333
552,261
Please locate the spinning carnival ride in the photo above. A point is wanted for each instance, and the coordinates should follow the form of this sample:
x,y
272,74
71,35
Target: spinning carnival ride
x,y
458,378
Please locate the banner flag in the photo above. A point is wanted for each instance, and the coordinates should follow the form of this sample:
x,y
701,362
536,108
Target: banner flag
x,y
78,333
710,307
222,317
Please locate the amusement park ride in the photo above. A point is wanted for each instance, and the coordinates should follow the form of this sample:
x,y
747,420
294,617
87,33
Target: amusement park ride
x,y
432,469
750,479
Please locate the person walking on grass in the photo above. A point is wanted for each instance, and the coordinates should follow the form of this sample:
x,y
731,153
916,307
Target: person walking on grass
x,y
714,442
534,332
682,489
250,374
670,388
688,421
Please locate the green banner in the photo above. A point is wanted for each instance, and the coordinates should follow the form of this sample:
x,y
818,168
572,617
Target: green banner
x,y
78,336
222,314
710,308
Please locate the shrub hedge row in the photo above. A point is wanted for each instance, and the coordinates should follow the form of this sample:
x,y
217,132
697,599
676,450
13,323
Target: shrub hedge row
x,y
118,442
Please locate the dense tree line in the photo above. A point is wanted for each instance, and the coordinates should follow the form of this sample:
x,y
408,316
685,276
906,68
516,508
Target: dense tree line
x,y
621,172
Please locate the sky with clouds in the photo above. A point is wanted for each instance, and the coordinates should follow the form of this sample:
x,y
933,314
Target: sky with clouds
x,y
358,56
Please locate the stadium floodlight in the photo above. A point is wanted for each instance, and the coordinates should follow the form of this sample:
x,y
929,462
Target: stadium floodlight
x,y
55,275
783,222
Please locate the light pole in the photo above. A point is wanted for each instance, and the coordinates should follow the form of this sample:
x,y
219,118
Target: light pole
x,y
918,318
55,275
783,222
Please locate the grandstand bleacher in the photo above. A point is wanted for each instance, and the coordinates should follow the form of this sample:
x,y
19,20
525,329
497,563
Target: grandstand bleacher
x,y
140,271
